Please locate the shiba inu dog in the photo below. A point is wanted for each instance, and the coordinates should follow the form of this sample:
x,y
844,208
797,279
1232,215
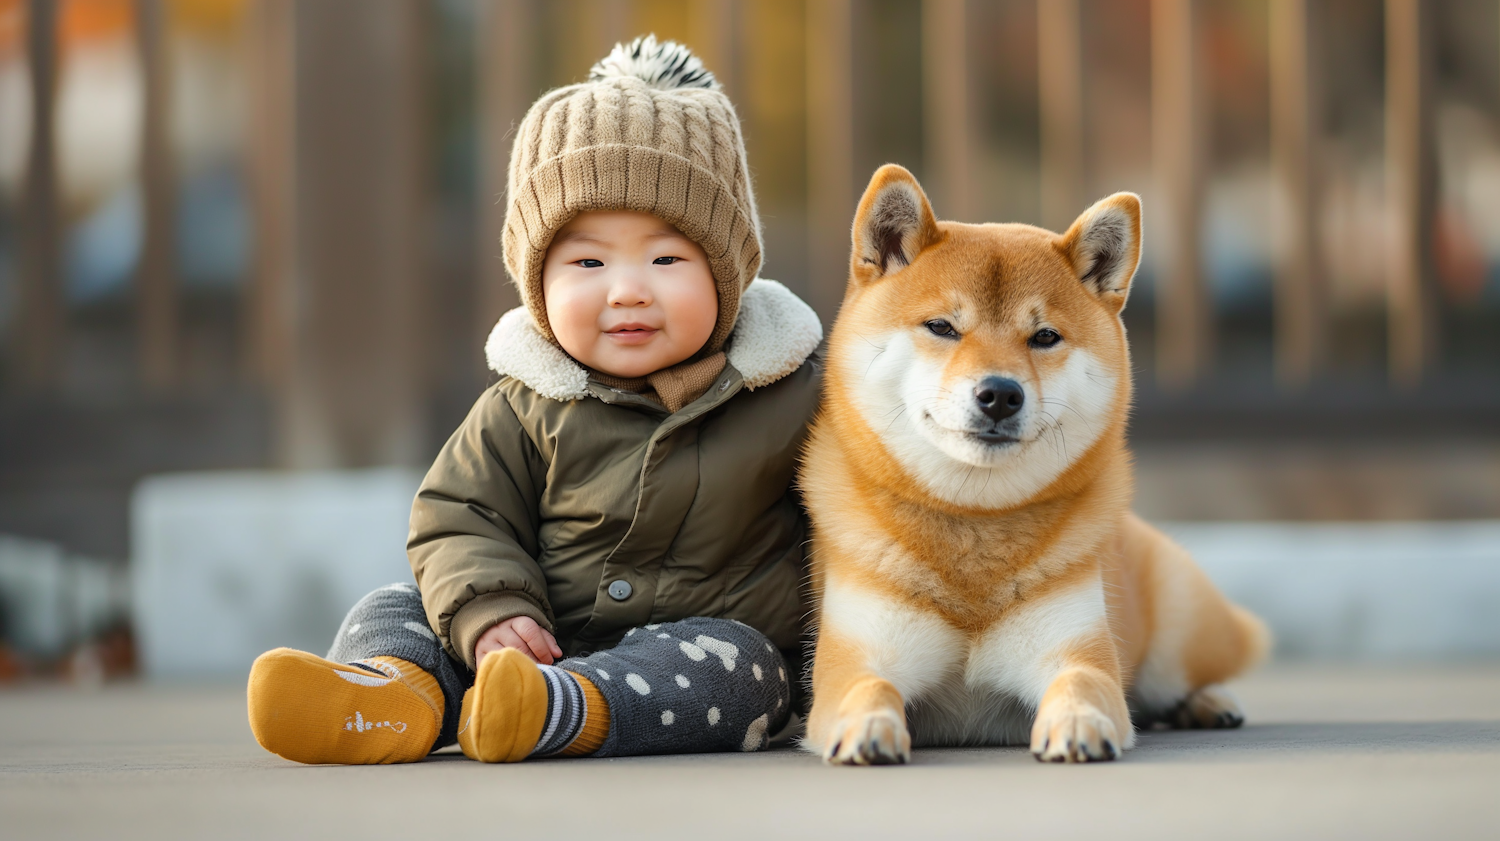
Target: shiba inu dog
x,y
979,577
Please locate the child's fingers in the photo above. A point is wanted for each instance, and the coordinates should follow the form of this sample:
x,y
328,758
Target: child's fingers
x,y
536,639
552,642
510,639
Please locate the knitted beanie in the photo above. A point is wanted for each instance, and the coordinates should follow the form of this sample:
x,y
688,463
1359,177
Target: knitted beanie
x,y
650,130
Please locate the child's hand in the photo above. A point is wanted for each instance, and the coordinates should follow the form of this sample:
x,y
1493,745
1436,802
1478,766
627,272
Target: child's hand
x,y
521,633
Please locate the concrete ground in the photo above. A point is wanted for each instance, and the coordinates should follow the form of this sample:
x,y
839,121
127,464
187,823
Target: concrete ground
x,y
1331,752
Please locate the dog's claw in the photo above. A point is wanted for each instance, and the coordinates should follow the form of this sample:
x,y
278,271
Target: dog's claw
x,y
1075,735
876,738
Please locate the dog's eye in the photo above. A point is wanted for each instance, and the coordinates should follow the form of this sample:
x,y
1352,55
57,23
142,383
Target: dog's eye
x,y
1046,337
939,327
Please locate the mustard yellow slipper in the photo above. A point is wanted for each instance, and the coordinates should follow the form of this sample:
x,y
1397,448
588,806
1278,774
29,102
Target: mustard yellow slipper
x,y
308,709
504,712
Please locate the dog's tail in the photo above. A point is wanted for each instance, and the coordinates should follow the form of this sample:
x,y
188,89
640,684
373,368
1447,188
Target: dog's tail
x,y
1255,637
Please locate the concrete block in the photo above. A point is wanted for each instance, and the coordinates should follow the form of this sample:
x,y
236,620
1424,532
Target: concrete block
x,y
228,565
1361,591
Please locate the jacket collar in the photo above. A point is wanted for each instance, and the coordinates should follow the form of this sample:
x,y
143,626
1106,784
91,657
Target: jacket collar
x,y
773,336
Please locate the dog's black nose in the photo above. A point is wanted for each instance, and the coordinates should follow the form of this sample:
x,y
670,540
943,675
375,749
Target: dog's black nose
x,y
999,397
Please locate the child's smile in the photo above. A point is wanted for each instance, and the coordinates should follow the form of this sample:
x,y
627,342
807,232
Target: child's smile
x,y
632,333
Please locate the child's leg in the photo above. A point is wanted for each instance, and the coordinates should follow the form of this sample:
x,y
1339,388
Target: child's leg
x,y
694,686
391,622
387,692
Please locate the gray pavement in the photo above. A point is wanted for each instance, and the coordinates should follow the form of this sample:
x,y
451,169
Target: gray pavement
x,y
1331,752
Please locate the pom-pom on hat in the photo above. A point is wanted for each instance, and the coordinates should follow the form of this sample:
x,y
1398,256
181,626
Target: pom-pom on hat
x,y
651,130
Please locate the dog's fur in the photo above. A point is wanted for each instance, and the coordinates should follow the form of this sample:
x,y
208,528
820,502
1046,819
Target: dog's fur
x,y
980,581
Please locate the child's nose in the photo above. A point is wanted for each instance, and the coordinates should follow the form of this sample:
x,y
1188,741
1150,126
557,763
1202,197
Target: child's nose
x,y
629,290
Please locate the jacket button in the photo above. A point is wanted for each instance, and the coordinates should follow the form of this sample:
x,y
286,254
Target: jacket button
x,y
620,589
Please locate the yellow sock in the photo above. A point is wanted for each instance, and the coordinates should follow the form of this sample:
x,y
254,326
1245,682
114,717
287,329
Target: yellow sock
x,y
505,710
308,709
595,721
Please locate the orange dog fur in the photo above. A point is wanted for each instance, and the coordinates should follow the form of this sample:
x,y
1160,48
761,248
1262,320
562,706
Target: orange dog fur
x,y
979,577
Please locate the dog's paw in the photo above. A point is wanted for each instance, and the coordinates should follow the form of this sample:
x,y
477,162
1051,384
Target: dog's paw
x,y
1079,733
875,738
1210,707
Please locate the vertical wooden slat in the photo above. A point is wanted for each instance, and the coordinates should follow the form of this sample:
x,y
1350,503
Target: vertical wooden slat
x,y
830,151
507,83
947,135
1300,279
1182,308
1410,179
1060,82
356,393
619,21
156,289
39,323
268,313
712,27
411,311
582,32
597,25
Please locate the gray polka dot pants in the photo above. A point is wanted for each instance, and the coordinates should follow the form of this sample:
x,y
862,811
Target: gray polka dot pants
x,y
697,685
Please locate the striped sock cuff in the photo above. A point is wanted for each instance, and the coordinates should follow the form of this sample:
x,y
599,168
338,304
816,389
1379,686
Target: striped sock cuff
x,y
565,711
595,720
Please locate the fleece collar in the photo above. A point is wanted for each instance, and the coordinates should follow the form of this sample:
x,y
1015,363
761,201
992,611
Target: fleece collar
x,y
773,336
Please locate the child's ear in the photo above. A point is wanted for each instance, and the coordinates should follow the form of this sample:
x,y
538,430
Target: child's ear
x,y
893,225
1104,246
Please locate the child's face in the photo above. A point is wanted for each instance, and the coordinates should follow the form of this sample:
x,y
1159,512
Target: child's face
x,y
627,294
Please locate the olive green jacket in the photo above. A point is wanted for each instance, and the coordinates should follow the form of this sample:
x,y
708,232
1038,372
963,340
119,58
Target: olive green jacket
x,y
593,510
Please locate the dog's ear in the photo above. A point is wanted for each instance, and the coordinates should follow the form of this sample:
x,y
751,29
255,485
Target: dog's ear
x,y
892,226
1104,246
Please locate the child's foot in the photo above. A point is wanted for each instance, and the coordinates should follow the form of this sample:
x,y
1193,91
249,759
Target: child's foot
x,y
308,709
505,711
517,708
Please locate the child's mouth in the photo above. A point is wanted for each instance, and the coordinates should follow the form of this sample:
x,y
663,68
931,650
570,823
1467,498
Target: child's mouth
x,y
632,334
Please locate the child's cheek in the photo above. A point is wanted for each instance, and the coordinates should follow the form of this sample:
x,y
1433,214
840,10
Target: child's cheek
x,y
697,307
573,312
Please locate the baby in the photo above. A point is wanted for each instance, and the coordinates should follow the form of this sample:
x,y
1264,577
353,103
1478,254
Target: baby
x,y
608,552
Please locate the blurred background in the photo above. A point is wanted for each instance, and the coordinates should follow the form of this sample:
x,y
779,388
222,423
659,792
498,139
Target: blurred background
x,y
249,253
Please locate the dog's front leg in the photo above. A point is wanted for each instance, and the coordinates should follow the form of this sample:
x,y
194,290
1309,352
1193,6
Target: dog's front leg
x,y
1082,716
858,717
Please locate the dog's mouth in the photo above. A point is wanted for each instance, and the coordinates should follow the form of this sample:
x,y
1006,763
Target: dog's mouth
x,y
992,437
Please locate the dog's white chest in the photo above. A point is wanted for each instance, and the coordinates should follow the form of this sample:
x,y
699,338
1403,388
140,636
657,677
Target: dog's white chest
x,y
963,690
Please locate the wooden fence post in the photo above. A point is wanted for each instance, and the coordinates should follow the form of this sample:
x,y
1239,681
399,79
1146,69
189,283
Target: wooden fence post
x,y
40,322
356,395
830,151
1060,95
1301,281
507,82
156,286
269,305
1182,307
1410,169
948,126
712,24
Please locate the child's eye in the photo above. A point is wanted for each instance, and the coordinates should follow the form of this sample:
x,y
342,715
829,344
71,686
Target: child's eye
x,y
665,261
590,263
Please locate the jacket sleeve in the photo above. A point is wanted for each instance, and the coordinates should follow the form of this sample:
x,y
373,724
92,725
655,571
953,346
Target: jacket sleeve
x,y
473,539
